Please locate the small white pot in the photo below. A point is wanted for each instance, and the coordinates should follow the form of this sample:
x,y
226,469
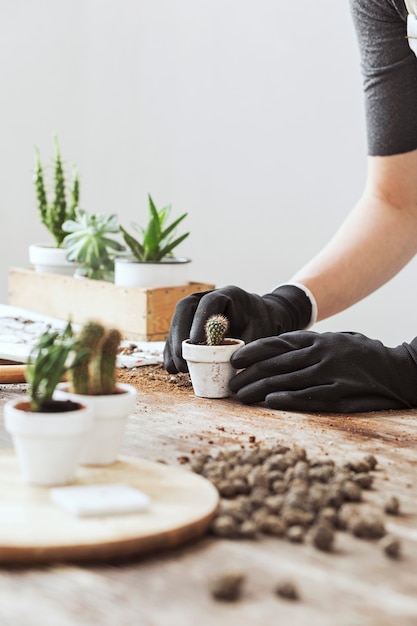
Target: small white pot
x,y
169,272
210,368
47,258
110,413
48,445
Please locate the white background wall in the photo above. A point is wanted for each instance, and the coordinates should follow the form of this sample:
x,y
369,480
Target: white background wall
x,y
247,114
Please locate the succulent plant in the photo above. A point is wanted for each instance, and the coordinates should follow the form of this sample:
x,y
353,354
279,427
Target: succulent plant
x,y
95,372
61,207
48,363
157,239
89,244
216,328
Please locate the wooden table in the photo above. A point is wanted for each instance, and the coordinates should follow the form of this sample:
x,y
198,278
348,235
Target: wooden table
x,y
355,585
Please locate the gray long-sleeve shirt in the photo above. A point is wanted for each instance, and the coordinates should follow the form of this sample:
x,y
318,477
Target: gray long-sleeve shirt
x,y
389,69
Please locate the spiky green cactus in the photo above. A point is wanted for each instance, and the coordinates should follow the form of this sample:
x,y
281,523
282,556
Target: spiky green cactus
x,y
95,371
88,342
55,212
103,364
216,328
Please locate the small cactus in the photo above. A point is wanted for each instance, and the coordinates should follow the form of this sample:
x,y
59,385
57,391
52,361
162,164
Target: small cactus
x,y
216,329
95,372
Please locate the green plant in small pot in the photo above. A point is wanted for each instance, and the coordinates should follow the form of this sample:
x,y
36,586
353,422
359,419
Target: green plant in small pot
x,y
90,242
209,362
49,434
94,381
151,262
55,206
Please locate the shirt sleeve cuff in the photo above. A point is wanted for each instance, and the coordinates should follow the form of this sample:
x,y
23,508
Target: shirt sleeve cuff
x,y
309,294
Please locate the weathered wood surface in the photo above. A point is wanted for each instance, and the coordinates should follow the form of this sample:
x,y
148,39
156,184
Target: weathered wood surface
x,y
355,585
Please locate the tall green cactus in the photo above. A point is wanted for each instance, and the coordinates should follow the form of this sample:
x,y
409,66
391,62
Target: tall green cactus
x,y
103,364
216,328
55,212
95,371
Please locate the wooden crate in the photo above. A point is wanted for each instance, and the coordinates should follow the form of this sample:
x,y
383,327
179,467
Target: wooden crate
x,y
140,314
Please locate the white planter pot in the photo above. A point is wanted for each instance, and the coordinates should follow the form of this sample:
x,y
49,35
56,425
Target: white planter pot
x,y
110,413
210,368
48,445
169,272
47,258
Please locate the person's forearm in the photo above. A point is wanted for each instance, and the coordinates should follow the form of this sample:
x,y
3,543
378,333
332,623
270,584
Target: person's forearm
x,y
375,242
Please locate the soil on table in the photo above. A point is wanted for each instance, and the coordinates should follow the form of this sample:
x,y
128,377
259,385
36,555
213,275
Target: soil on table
x,y
155,378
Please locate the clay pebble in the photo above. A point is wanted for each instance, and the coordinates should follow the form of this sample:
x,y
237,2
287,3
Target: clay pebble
x,y
279,491
227,586
288,590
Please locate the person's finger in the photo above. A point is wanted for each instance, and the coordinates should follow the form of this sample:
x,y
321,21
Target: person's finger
x,y
179,331
258,389
310,400
212,303
168,360
173,363
325,400
268,347
290,369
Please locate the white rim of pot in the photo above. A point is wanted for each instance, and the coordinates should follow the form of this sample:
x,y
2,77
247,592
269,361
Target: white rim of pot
x,y
19,421
178,260
203,353
106,406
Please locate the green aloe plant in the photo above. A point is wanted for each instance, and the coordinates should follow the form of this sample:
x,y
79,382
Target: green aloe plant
x,y
157,238
55,210
50,359
89,243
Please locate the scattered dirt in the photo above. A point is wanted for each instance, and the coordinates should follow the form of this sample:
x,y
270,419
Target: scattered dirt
x,y
154,378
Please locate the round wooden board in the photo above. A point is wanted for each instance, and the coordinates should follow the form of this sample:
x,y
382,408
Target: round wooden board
x,y
35,530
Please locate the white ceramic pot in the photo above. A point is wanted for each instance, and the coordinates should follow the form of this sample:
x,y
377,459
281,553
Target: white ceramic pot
x,y
48,445
110,413
169,272
210,368
47,258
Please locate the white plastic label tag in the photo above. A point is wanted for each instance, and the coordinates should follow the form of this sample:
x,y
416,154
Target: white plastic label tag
x,y
412,32
107,499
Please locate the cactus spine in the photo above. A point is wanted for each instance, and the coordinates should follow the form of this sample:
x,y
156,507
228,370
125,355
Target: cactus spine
x,y
216,328
95,370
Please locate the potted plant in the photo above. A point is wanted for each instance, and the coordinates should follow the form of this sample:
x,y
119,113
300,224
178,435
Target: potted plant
x,y
151,263
209,363
90,243
93,380
48,434
53,212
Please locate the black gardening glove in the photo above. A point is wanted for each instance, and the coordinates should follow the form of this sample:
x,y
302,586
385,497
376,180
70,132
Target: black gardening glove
x,y
250,317
328,372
